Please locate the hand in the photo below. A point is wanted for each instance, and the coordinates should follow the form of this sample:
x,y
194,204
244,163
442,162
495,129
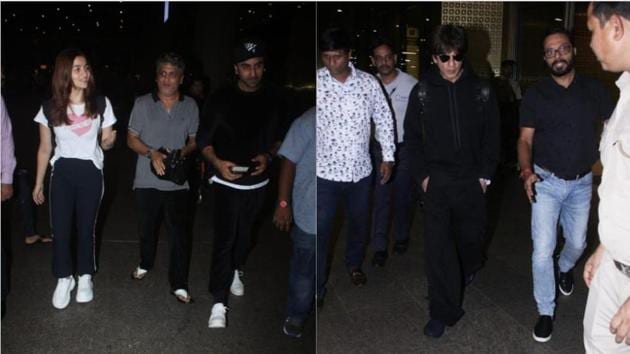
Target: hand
x,y
529,178
592,264
7,191
38,194
225,169
282,218
262,164
157,159
385,171
425,184
107,142
484,185
620,323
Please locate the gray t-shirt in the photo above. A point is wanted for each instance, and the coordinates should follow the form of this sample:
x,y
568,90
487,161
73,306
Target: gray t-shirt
x,y
398,92
299,147
158,128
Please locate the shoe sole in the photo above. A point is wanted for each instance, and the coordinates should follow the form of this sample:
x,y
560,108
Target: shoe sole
x,y
216,324
565,293
284,330
237,293
540,339
69,298
84,300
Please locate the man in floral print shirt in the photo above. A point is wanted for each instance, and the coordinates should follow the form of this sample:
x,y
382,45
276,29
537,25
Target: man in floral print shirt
x,y
348,100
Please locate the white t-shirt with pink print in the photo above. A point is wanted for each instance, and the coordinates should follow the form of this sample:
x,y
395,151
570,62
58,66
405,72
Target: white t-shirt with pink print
x,y
80,139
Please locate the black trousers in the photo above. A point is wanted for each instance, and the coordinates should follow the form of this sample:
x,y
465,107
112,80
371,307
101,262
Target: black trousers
x,y
235,212
454,227
76,190
151,204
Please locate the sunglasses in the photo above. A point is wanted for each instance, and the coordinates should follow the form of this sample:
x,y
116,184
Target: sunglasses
x,y
445,57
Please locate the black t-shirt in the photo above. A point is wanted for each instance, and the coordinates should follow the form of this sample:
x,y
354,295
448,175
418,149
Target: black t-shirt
x,y
565,122
240,125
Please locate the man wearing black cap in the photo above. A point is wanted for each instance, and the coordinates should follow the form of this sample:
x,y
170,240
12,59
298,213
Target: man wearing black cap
x,y
239,135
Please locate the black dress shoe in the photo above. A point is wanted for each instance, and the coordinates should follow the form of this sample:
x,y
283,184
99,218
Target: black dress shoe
x,y
379,258
400,247
358,277
434,328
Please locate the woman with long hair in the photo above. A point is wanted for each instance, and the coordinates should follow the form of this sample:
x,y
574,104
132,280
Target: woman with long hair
x,y
81,124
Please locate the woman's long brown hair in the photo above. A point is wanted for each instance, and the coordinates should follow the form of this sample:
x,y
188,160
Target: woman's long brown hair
x,y
62,86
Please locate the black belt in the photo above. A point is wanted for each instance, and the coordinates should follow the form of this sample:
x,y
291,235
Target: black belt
x,y
568,177
623,268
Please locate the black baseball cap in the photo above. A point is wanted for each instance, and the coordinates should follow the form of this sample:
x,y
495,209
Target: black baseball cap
x,y
247,49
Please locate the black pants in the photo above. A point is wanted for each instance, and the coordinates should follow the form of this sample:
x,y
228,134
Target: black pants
x,y
235,212
25,201
76,189
5,247
150,203
455,218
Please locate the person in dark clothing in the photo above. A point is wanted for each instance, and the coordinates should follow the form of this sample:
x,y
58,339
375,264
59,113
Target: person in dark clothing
x,y
452,135
239,135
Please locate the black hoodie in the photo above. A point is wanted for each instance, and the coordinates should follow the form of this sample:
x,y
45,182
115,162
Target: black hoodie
x,y
454,130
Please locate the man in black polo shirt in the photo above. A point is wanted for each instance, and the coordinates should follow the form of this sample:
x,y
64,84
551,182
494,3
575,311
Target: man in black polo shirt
x,y
557,120
239,134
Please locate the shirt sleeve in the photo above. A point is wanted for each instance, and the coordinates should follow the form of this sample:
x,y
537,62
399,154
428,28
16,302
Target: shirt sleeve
x,y
194,122
40,117
383,121
137,119
108,116
8,149
296,141
528,110
413,137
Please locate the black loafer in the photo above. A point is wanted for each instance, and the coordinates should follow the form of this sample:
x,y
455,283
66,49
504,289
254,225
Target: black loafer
x,y
400,247
379,258
434,328
358,277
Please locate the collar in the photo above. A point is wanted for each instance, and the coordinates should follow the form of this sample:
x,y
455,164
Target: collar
x,y
623,81
353,74
156,98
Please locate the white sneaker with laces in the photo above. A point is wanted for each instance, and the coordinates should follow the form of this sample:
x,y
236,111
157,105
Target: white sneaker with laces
x,y
217,317
237,288
84,291
61,296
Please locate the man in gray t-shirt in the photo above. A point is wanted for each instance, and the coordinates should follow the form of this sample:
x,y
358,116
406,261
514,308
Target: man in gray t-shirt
x,y
163,119
297,179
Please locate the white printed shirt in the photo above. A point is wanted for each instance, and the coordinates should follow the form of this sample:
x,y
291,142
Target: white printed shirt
x,y
344,112
614,191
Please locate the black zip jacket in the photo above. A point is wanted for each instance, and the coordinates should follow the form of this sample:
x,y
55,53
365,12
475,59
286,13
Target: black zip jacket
x,y
454,129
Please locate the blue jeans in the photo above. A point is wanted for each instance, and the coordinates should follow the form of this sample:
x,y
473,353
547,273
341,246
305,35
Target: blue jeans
x,y
400,185
569,203
301,274
356,199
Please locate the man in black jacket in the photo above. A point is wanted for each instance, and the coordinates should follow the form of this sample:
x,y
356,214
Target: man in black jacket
x,y
452,133
240,132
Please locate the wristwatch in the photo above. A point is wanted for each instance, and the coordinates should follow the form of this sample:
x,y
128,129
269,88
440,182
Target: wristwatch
x,y
283,204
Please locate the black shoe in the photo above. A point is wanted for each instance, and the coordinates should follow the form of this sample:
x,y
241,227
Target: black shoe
x,y
293,327
543,329
565,283
434,328
358,277
379,258
400,247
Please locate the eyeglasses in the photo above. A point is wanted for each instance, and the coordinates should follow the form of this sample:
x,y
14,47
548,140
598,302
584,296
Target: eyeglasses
x,y
445,57
562,50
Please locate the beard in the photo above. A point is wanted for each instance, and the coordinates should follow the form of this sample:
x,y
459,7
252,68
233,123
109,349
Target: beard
x,y
567,68
385,69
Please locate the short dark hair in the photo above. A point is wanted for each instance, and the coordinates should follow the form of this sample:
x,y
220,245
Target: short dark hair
x,y
380,40
170,58
334,39
449,37
603,10
558,30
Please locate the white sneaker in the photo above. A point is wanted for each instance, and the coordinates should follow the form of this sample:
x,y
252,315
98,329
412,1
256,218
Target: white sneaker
x,y
237,288
217,317
84,291
61,296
